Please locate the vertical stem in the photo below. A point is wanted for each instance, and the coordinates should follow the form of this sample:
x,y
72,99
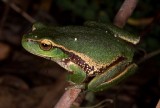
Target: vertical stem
x,y
158,104
125,12
68,98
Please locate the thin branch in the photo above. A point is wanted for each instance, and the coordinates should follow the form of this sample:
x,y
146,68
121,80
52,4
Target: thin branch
x,y
125,12
20,11
148,56
68,98
158,104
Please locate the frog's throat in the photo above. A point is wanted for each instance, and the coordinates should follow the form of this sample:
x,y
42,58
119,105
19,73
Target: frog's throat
x,y
85,62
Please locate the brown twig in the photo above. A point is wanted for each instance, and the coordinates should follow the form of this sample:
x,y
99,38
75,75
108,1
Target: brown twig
x,y
158,104
125,12
20,11
68,98
148,56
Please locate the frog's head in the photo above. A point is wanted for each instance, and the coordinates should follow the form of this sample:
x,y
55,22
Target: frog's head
x,y
39,43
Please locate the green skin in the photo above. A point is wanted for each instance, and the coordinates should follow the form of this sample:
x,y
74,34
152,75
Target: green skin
x,y
108,46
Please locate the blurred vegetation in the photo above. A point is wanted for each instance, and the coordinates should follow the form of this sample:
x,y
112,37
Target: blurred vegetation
x,y
100,10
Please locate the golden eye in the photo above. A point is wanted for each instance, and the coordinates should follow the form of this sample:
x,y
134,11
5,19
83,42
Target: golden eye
x,y
45,44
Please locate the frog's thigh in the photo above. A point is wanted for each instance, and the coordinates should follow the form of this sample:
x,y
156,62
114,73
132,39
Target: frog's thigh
x,y
111,77
77,76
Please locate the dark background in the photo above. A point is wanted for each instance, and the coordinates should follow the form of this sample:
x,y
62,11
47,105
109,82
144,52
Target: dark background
x,y
28,81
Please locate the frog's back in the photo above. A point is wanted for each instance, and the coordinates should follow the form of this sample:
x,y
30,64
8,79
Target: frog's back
x,y
99,45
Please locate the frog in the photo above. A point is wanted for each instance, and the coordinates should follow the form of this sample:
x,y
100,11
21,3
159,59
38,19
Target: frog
x,y
96,55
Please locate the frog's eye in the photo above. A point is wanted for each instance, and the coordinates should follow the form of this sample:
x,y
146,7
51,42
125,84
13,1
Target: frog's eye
x,y
45,45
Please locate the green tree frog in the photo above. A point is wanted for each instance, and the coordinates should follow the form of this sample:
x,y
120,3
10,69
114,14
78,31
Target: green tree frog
x,y
96,55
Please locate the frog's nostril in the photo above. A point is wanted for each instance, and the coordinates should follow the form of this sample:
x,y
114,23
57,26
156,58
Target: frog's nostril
x,y
29,40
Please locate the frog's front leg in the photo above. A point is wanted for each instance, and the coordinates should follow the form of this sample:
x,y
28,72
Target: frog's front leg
x,y
77,76
112,76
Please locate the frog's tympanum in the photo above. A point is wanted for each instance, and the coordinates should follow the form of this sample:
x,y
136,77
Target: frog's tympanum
x,y
96,55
